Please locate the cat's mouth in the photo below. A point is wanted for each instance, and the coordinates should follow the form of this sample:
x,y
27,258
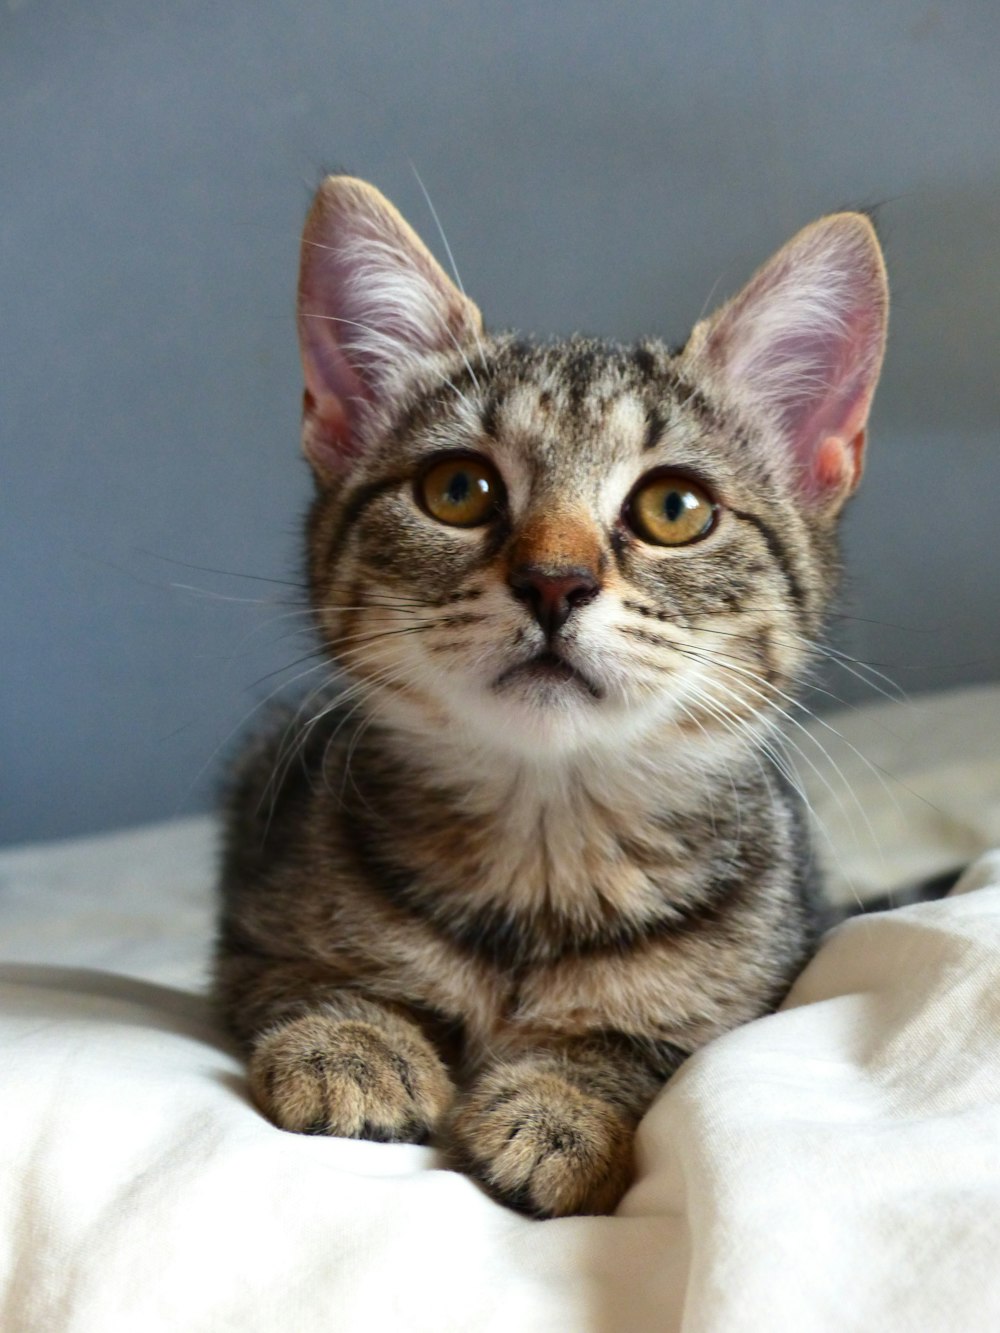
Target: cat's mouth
x,y
548,668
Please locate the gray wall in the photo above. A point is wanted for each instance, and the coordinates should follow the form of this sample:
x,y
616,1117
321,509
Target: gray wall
x,y
597,166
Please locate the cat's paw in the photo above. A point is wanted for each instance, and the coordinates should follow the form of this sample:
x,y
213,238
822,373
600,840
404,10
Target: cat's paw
x,y
542,1145
323,1075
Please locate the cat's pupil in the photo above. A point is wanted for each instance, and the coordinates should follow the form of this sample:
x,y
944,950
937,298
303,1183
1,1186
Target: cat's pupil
x,y
458,488
673,505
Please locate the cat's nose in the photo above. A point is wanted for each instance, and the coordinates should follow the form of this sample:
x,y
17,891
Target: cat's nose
x,y
552,595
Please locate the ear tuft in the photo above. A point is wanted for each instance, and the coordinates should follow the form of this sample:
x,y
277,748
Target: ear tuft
x,y
803,343
373,303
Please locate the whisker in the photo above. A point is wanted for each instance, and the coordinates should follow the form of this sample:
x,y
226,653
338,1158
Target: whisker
x,y
245,718
437,222
766,697
288,666
854,666
783,766
209,569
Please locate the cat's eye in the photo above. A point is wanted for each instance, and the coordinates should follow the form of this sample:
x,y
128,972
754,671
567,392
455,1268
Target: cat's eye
x,y
669,509
461,489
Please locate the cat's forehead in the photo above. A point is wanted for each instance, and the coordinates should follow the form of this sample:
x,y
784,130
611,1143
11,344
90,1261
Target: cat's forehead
x,y
567,405
579,382
574,403
588,409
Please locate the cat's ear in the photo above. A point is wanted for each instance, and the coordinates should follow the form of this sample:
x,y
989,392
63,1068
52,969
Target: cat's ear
x,y
803,342
372,302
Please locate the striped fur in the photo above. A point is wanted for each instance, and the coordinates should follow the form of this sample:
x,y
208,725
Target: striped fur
x,y
472,896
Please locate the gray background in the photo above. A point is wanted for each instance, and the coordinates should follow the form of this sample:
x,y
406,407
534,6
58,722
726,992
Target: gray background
x,y
609,168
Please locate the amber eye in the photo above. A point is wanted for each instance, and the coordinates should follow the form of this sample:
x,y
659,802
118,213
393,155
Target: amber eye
x,y
462,490
670,510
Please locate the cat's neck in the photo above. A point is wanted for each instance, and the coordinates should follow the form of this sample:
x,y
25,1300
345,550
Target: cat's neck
x,y
669,768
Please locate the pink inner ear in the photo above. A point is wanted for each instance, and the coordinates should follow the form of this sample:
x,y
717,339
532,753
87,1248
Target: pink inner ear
x,y
373,302
804,340
326,369
826,427
333,391
839,463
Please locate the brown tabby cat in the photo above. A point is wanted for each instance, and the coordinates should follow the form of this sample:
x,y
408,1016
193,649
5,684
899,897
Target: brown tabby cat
x,y
536,845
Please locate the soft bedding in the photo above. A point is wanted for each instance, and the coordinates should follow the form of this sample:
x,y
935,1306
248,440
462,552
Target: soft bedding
x,y
833,1166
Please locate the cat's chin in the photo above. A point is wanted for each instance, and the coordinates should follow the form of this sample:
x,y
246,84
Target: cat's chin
x,y
547,680
540,729
543,711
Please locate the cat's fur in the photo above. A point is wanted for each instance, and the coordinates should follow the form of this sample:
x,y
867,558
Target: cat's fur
x,y
495,888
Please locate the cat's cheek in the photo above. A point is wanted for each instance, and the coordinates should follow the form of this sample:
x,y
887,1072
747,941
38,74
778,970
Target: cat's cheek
x,y
403,553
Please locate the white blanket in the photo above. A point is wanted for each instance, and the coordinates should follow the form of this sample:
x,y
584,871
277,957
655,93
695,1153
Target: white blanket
x,y
833,1167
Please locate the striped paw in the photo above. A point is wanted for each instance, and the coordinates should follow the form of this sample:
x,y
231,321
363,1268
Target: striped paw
x,y
540,1144
319,1074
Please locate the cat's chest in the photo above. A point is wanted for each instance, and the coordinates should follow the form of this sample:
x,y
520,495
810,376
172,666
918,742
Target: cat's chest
x,y
515,896
525,872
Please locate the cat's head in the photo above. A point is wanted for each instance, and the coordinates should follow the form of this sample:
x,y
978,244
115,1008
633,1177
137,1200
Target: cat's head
x,y
547,547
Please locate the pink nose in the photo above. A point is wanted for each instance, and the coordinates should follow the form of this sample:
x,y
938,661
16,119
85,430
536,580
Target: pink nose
x,y
552,595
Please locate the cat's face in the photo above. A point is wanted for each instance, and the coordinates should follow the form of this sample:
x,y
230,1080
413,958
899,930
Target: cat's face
x,y
560,547
564,564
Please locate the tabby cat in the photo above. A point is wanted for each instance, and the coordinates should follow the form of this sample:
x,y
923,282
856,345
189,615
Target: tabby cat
x,y
534,844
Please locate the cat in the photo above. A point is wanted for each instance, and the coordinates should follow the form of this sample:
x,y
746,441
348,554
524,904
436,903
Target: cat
x,y
534,844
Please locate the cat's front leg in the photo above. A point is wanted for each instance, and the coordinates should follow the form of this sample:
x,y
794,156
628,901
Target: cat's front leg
x,y
549,1130
327,1059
